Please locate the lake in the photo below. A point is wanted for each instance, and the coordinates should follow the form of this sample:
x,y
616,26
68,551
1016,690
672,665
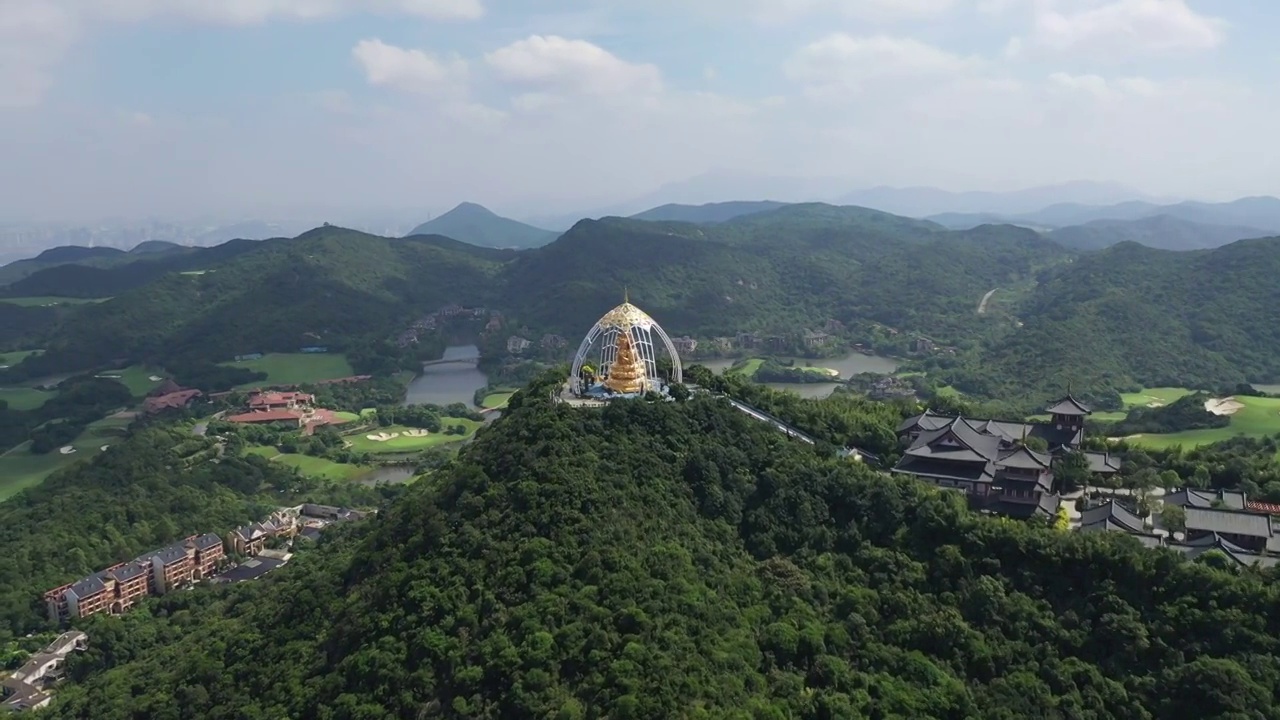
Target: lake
x,y
450,382
848,366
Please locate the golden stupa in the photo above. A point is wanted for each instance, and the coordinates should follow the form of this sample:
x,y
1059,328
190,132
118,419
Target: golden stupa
x,y
626,372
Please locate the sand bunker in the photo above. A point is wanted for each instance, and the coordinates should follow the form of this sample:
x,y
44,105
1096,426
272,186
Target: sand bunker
x,y
66,449
382,436
416,432
1223,406
155,378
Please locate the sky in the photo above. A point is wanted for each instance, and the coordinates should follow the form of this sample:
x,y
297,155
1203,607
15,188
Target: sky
x,y
178,107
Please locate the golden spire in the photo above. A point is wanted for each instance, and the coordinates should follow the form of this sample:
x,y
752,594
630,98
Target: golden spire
x,y
626,372
625,299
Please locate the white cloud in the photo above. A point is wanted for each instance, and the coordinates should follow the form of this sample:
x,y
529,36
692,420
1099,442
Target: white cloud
x,y
250,12
1121,28
407,70
36,34
840,64
776,12
557,65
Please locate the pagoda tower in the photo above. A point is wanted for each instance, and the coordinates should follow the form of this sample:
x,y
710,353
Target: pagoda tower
x,y
627,372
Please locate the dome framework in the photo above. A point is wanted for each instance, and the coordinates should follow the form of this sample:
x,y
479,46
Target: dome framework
x,y
641,330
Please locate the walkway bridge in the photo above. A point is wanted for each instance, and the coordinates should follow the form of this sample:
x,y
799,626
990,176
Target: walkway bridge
x,y
793,432
453,361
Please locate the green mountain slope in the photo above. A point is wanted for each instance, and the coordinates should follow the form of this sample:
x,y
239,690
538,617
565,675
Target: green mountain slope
x,y
774,271
476,225
1163,232
1131,315
672,561
330,285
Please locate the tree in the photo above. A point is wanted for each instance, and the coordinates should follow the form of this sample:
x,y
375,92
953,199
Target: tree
x,y
1173,518
1072,471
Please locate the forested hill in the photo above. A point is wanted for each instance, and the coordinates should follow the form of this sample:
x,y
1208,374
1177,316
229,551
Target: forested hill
x,y
1131,315
330,286
774,271
682,560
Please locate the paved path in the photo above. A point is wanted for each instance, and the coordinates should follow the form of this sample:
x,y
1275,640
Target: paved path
x,y
982,306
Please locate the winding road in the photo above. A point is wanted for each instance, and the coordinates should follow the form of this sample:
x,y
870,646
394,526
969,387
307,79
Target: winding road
x,y
982,306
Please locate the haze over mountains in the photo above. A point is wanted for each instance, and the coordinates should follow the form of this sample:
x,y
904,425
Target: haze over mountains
x,y
1081,215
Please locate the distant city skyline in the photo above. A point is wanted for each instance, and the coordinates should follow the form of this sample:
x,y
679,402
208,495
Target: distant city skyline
x,y
185,108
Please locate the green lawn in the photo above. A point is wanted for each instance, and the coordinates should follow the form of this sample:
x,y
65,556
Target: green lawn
x,y
311,466
20,469
495,400
24,398
296,368
405,444
135,377
748,367
1260,417
50,300
1153,396
10,359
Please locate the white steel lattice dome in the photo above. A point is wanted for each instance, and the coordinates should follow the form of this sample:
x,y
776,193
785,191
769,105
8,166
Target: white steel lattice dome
x,y
642,331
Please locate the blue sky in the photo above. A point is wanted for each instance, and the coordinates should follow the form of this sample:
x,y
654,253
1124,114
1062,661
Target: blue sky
x,y
241,107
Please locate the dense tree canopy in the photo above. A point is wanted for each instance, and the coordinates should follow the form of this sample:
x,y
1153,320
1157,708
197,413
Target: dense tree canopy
x,y
682,560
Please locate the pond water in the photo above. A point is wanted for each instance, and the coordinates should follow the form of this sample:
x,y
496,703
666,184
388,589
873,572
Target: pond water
x,y
848,366
392,474
449,382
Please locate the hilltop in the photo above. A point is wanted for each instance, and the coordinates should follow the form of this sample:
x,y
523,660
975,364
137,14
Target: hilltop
x,y
330,285
477,225
682,560
708,213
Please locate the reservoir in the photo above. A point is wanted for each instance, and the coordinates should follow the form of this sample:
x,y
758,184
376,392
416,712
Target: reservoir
x,y
848,366
448,382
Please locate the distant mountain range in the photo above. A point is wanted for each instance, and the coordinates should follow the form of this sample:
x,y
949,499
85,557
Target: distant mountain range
x,y
709,213
477,225
1163,232
1253,212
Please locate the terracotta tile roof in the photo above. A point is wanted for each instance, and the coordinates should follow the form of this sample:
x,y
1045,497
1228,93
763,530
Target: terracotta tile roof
x,y
267,416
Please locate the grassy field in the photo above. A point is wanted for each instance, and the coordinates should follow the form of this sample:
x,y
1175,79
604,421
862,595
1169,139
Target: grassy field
x,y
296,368
20,469
135,377
748,367
50,300
1260,417
497,399
406,444
24,398
13,358
311,466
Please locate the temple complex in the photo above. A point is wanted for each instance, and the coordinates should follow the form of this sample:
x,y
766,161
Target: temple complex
x,y
990,460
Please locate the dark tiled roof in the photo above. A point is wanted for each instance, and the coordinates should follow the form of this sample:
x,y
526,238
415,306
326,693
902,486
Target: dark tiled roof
x,y
978,472
88,586
1069,406
1046,507
1199,546
129,571
1024,458
1102,462
207,541
1111,515
1228,522
171,554
1191,497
